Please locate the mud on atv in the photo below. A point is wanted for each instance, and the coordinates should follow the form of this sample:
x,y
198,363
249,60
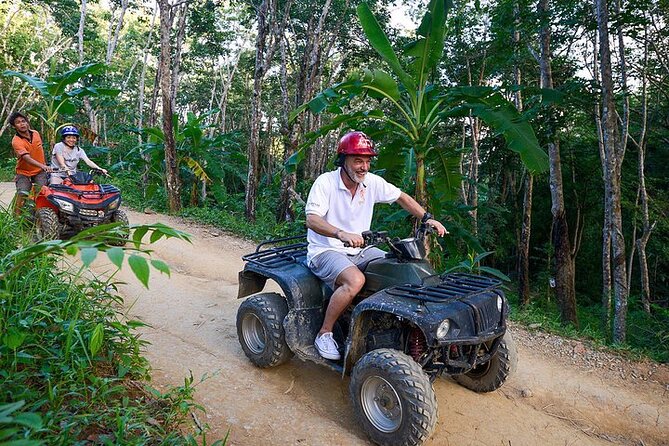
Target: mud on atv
x,y
406,327
78,203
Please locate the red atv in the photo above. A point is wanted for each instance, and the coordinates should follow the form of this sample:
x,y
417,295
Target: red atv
x,y
65,209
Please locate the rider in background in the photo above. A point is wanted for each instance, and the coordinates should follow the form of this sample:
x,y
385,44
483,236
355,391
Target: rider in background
x,y
31,166
339,208
66,155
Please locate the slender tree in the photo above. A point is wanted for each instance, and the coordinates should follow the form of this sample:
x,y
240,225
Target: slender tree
x,y
270,29
564,261
172,182
613,152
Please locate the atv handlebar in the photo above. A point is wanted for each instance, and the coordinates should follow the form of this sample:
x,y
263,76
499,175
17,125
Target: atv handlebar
x,y
91,171
409,248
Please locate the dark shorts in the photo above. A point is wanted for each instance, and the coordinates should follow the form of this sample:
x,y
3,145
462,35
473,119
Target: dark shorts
x,y
329,264
25,183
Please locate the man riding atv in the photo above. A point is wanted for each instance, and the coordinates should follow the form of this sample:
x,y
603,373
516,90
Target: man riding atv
x,y
339,209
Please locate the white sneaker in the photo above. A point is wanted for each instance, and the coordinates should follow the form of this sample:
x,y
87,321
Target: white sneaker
x,y
327,346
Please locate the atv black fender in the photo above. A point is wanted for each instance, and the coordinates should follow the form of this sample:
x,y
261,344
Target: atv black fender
x,y
300,286
304,294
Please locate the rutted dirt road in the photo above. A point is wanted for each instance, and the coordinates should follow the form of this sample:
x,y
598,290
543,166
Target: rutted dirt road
x,y
562,394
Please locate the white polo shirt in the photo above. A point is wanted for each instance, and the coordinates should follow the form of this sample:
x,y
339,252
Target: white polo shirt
x,y
329,198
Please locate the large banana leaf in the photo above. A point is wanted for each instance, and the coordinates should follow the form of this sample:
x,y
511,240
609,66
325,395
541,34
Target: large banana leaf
x,y
379,41
37,83
488,104
428,48
380,85
445,177
58,83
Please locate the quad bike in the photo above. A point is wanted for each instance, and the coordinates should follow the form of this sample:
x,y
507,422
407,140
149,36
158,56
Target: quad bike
x,y
408,326
65,209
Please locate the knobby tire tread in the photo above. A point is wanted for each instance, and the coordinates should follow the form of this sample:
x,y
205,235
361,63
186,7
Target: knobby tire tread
x,y
417,392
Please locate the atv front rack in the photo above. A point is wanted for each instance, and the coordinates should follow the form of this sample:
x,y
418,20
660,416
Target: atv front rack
x,y
452,286
279,256
104,189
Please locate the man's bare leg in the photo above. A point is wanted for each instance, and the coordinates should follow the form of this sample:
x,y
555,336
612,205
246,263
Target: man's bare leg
x,y
19,200
349,283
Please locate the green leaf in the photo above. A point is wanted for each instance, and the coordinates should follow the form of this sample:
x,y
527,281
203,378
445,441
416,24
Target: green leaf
x,y
97,338
317,104
29,420
14,338
446,179
115,255
155,236
59,82
495,272
140,268
138,234
379,41
429,48
35,82
489,105
88,255
160,266
383,82
9,408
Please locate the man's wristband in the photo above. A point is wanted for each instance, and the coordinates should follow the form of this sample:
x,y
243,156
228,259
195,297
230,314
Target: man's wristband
x,y
426,216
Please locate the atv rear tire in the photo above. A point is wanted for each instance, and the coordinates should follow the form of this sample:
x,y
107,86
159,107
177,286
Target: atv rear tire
x,y
124,231
491,375
260,329
47,225
393,398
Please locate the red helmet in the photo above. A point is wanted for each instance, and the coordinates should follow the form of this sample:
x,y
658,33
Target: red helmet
x,y
356,143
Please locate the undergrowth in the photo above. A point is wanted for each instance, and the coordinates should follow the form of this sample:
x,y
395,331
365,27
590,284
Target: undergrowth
x,y
71,366
649,336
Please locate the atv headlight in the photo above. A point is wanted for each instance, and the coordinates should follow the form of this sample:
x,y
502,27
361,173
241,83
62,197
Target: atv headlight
x,y
499,303
64,205
114,204
442,330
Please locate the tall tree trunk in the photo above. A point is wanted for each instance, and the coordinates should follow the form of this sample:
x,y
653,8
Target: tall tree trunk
x,y
285,211
643,193
153,118
176,63
113,37
140,99
253,151
270,26
90,111
526,227
614,154
564,262
172,182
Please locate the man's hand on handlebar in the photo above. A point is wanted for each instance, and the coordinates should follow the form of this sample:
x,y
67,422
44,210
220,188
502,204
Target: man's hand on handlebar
x,y
437,226
350,239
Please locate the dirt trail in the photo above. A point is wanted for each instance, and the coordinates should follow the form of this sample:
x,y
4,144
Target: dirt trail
x,y
562,394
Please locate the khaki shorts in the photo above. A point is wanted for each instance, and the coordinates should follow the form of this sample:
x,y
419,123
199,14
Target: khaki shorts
x,y
329,264
25,183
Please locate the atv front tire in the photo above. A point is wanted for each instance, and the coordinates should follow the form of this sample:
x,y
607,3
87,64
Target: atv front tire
x,y
124,230
260,329
492,374
47,225
393,398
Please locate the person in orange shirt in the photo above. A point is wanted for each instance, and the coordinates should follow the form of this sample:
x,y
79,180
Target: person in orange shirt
x,y
31,167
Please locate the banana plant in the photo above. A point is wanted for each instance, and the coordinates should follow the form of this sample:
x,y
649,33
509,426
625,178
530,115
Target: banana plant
x,y
410,107
58,92
203,158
